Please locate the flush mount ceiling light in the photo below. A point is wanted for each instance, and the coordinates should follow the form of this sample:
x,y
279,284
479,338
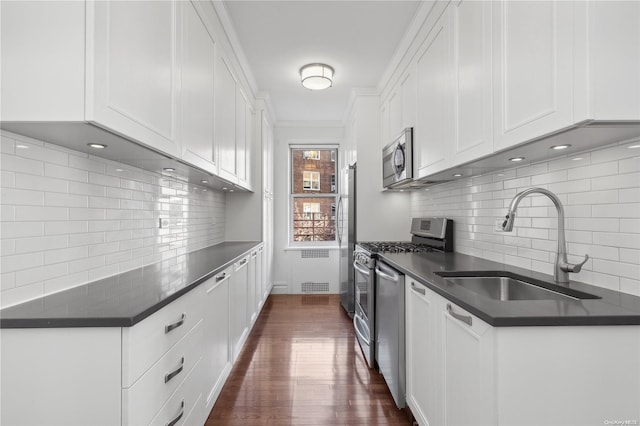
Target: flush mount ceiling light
x,y
96,145
316,76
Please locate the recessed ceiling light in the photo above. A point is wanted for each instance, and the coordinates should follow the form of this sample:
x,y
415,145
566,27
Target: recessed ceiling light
x,y
516,159
231,190
119,170
96,145
204,181
558,147
577,159
20,146
169,169
224,188
633,146
457,175
204,189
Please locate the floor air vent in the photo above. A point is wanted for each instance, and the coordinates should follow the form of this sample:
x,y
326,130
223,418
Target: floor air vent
x,y
310,287
314,254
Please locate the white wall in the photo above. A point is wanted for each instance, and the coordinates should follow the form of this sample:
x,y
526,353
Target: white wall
x,y
69,218
295,266
601,196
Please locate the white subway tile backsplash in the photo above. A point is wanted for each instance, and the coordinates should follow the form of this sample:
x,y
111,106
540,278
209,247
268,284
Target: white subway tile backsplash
x,y
601,197
69,218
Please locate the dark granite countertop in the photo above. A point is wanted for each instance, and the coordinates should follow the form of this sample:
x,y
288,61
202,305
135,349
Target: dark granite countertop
x,y
125,299
612,308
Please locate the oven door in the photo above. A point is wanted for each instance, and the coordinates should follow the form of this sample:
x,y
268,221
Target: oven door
x,y
363,319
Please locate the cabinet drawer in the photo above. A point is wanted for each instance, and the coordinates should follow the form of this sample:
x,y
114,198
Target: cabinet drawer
x,y
143,400
144,343
185,407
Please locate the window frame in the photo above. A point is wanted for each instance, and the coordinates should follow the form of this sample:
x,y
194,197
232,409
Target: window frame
x,y
333,196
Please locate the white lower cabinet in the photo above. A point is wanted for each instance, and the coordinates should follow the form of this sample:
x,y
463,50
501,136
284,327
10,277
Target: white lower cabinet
x,y
462,371
168,369
217,360
238,295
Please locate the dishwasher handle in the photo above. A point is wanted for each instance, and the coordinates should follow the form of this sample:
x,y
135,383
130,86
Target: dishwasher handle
x,y
391,277
358,266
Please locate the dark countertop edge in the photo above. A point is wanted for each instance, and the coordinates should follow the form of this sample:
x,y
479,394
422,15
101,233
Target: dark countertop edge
x,y
83,322
524,320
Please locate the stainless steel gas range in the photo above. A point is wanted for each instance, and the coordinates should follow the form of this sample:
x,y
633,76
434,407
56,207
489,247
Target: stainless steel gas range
x,y
379,297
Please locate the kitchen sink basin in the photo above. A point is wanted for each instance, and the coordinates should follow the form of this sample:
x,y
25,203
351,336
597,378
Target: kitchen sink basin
x,y
507,286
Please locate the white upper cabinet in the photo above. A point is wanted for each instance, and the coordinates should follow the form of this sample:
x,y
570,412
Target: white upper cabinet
x,y
225,120
409,99
433,131
197,91
532,69
245,118
395,116
132,70
471,69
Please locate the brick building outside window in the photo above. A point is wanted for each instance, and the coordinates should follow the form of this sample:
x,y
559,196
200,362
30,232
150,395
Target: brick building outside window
x,y
314,194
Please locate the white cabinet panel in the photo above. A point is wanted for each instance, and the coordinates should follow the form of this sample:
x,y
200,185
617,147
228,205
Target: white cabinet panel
x,y
196,93
238,293
424,387
132,78
395,115
42,76
225,119
468,368
242,141
409,98
432,134
532,69
471,50
216,361
61,376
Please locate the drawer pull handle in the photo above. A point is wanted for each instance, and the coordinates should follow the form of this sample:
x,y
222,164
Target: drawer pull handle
x,y
221,277
175,372
243,261
254,254
178,417
168,328
418,289
464,318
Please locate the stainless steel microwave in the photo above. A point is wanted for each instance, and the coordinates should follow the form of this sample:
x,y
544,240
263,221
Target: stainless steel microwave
x,y
397,160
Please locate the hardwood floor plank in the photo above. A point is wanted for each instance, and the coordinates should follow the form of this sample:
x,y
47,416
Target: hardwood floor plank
x,y
301,365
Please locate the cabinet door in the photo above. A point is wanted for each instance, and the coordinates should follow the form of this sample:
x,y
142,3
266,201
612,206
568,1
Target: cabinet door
x,y
238,306
395,114
384,124
409,98
424,383
532,69
252,291
225,120
132,73
241,135
197,71
217,361
467,350
471,50
432,134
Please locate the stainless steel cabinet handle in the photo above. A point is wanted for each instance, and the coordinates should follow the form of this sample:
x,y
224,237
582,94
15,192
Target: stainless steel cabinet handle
x,y
243,262
177,418
464,318
417,289
221,277
175,372
254,254
168,328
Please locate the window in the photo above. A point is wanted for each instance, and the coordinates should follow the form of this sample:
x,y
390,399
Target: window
x,y
313,195
311,181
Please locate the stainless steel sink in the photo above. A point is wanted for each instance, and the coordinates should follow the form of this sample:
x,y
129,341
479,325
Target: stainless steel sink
x,y
507,286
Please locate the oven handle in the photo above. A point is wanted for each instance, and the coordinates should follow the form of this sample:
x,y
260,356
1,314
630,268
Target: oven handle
x,y
386,276
360,268
357,320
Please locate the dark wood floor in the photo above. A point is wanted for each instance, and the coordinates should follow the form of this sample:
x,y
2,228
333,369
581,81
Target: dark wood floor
x,y
301,365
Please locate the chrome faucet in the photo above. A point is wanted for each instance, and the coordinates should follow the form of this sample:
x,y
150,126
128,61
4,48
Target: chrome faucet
x,y
562,266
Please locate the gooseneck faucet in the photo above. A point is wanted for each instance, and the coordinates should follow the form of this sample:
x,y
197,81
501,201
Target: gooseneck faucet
x,y
562,266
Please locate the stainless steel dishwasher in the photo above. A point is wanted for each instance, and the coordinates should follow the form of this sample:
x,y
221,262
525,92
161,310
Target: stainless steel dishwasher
x,y
389,339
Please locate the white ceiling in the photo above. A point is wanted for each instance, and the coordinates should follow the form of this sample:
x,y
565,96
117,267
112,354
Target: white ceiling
x,y
357,38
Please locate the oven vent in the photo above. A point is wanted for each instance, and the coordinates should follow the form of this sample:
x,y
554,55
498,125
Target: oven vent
x,y
309,287
314,254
